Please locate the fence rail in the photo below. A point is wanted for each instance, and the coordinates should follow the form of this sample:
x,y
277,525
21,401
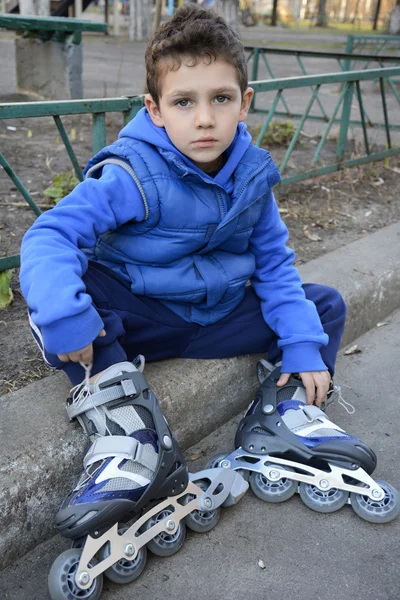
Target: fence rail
x,y
350,90
347,61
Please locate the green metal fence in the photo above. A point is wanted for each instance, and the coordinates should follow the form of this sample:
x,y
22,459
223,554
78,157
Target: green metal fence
x,y
128,106
372,45
320,62
349,90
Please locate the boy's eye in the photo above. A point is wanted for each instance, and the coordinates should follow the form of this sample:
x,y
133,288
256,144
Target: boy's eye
x,y
221,99
183,103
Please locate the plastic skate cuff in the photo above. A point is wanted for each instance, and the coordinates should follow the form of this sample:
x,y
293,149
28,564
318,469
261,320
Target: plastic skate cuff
x,y
120,446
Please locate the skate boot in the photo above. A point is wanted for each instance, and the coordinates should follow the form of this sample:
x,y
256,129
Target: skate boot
x,y
287,446
122,471
133,472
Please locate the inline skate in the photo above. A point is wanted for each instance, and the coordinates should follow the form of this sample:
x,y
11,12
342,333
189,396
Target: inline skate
x,y
284,446
135,492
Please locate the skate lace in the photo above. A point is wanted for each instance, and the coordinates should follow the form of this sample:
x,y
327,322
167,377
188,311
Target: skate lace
x,y
337,393
79,393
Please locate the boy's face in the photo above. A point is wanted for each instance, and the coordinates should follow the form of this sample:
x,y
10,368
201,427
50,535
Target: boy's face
x,y
200,108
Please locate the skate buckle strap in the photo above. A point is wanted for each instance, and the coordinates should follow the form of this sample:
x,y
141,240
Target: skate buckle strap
x,y
313,412
298,418
119,387
120,446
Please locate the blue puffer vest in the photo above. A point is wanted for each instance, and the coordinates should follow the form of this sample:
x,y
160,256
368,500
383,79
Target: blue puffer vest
x,y
191,251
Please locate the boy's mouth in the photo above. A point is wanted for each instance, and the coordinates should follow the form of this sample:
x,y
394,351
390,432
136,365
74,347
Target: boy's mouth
x,y
204,142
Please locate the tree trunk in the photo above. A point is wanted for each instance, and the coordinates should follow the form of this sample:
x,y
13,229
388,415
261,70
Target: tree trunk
x,y
140,19
394,23
322,20
376,16
39,8
229,10
274,17
157,14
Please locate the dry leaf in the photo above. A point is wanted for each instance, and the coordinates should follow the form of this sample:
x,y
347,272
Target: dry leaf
x,y
382,324
353,350
261,564
195,456
312,236
368,213
380,181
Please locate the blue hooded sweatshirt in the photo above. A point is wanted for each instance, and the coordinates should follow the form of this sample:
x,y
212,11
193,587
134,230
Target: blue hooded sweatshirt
x,y
176,234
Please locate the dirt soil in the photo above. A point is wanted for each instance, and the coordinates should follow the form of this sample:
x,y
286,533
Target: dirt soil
x,y
322,214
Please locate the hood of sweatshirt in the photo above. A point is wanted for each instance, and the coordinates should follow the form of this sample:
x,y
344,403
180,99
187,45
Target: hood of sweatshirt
x,y
142,128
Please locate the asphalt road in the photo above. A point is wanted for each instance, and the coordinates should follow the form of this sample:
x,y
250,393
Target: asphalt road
x,y
307,555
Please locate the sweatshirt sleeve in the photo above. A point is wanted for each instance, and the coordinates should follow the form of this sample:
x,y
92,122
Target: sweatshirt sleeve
x,y
53,263
284,306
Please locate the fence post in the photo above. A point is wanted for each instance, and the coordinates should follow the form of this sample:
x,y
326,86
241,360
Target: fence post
x,y
254,75
345,121
349,50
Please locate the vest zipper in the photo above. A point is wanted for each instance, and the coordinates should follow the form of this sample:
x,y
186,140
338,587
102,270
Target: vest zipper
x,y
248,181
221,203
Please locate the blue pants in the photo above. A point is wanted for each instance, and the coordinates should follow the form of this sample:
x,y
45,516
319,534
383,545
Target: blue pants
x,y
140,325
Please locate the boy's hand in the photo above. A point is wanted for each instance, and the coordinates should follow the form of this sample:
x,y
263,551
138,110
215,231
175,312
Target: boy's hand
x,y
85,355
315,382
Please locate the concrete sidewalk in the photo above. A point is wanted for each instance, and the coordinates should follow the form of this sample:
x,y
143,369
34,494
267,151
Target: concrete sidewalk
x,y
307,555
41,453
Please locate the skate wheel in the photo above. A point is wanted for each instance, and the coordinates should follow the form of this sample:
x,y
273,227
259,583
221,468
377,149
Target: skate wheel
x,y
166,544
213,463
377,511
202,521
323,501
125,570
61,578
272,491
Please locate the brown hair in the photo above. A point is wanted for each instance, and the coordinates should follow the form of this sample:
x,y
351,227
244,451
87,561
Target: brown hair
x,y
196,32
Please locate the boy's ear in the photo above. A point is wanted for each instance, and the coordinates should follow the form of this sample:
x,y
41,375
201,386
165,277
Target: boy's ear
x,y
154,111
246,101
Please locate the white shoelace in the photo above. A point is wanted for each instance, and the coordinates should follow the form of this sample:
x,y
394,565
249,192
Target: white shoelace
x,y
337,393
81,392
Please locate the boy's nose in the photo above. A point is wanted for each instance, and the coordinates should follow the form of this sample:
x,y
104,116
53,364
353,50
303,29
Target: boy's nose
x,y
204,117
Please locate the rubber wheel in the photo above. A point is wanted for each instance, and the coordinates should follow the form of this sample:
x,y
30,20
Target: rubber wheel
x,y
377,511
272,491
213,464
165,544
202,521
61,578
322,501
125,570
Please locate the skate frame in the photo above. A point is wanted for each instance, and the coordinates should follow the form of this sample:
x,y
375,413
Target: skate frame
x,y
225,487
324,481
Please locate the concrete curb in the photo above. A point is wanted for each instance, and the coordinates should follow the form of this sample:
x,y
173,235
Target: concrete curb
x,y
41,453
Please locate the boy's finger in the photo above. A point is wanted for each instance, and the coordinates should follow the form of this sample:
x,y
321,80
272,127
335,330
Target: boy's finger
x,y
321,395
283,379
309,384
63,357
102,333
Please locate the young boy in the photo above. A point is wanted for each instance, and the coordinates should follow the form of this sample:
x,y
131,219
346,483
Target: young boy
x,y
152,252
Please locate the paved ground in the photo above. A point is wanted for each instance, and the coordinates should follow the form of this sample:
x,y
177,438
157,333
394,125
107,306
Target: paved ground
x,y
308,556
